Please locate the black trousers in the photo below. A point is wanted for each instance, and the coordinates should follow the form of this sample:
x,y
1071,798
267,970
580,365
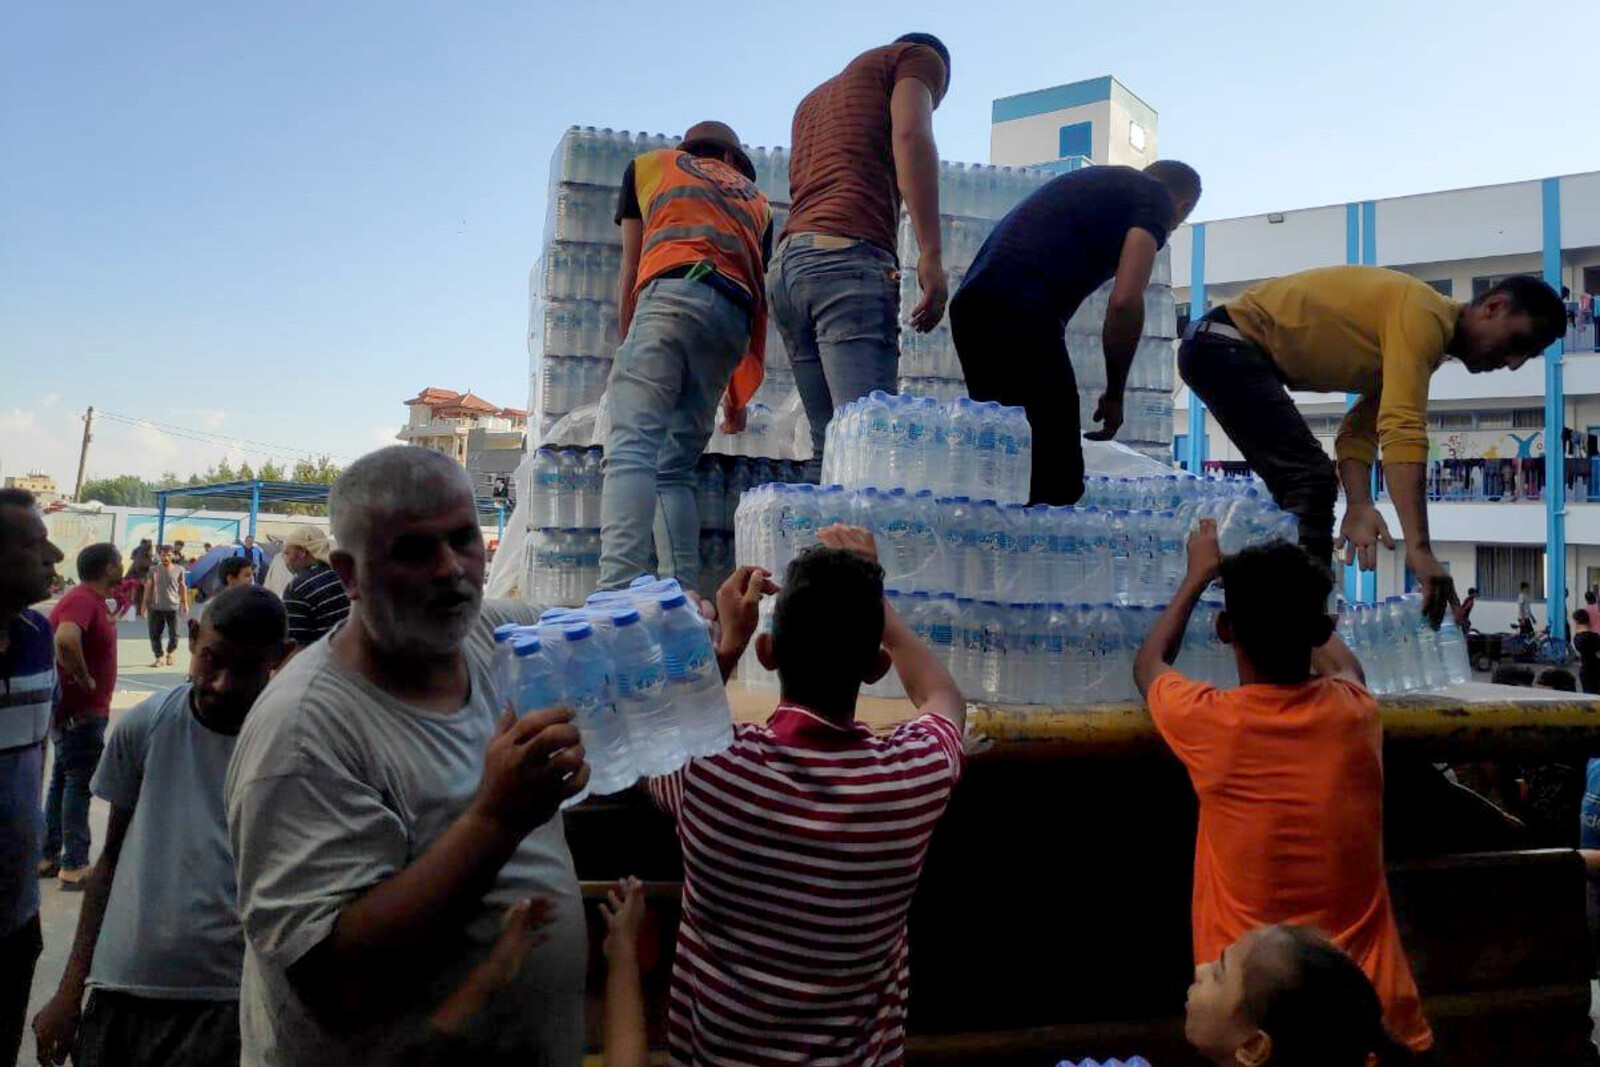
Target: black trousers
x,y
163,619
1015,352
122,1030
19,951
1242,388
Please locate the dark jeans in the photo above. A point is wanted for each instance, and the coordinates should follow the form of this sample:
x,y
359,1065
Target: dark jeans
x,y
1017,355
66,805
19,951
1242,387
128,1031
163,619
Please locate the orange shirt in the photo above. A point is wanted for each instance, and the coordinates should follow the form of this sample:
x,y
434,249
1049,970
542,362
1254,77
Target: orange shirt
x,y
1290,783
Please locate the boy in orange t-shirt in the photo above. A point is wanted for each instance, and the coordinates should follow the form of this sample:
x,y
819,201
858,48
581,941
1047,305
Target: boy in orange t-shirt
x,y
1288,768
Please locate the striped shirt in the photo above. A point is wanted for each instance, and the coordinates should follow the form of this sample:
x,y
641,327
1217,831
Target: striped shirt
x,y
316,603
802,844
27,688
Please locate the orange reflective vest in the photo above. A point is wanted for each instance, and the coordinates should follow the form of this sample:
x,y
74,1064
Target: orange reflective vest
x,y
704,211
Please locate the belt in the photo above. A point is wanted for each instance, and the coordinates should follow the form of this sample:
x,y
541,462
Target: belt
x,y
1220,329
704,272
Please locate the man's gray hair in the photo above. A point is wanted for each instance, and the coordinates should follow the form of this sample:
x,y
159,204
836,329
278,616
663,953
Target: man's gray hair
x,y
401,480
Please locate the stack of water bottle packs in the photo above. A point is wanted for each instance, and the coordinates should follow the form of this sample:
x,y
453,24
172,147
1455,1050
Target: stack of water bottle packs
x,y
1400,652
637,670
1023,604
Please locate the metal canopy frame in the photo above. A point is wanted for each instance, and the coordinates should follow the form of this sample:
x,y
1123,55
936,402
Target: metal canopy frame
x,y
258,492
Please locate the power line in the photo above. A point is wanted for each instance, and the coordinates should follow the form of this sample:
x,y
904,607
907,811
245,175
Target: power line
x,y
209,437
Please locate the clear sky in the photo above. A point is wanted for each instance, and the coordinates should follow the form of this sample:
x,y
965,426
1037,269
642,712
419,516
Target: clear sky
x,y
277,221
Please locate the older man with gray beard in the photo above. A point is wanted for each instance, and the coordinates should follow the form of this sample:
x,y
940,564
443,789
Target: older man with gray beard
x,y
385,809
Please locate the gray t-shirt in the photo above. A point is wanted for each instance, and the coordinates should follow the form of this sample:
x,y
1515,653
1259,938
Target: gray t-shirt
x,y
165,591
337,786
171,930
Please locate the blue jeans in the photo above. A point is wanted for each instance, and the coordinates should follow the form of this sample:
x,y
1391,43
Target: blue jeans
x,y
682,345
837,305
66,805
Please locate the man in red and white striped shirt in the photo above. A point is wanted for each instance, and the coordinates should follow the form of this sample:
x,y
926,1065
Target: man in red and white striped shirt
x,y
802,843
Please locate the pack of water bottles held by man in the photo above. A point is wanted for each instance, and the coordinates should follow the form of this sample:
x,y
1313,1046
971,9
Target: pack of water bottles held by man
x,y
637,669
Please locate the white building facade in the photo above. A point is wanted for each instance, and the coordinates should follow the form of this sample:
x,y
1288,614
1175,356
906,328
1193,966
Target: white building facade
x,y
1065,127
1498,441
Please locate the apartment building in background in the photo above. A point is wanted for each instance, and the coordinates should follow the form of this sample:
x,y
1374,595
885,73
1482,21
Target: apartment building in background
x,y
484,438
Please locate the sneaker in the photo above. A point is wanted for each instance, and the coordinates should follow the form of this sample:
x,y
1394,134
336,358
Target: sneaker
x,y
72,879
48,868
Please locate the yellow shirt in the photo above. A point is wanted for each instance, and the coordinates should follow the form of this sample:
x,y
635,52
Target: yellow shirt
x,y
1365,330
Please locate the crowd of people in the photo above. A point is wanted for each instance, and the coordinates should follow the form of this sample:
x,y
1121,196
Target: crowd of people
x,y
336,843
351,851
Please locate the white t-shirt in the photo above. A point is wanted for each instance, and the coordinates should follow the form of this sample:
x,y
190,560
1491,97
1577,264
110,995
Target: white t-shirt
x,y
171,930
336,786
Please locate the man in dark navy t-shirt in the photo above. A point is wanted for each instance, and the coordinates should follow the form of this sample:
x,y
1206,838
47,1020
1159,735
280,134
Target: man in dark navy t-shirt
x,y
1042,260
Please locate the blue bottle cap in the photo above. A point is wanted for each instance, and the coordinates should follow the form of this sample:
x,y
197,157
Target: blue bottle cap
x,y
504,631
673,600
526,644
578,631
625,616
643,579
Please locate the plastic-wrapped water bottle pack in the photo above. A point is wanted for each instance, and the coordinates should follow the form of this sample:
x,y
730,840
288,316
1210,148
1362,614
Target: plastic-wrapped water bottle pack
x,y
1398,649
904,442
638,671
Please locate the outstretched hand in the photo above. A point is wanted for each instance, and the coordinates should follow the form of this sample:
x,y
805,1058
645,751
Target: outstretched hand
x,y
1109,414
1204,552
850,538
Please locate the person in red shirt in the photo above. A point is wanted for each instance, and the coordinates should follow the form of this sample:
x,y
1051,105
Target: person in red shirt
x,y
1288,768
804,839
86,658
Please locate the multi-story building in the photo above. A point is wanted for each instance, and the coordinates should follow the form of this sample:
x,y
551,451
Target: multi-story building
x,y
1098,121
484,438
41,485
1498,440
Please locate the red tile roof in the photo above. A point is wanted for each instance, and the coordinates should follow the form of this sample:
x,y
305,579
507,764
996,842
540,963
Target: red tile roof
x,y
447,403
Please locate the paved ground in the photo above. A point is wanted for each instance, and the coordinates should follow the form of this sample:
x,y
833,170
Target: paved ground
x,y
58,912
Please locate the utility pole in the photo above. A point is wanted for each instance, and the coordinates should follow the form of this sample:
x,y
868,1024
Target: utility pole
x,y
83,454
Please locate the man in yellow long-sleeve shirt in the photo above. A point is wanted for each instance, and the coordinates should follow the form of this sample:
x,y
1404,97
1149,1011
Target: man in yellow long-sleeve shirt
x,y
1369,331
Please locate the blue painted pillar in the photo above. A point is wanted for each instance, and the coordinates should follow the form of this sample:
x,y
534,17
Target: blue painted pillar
x,y
161,519
1369,258
1197,309
255,505
1555,481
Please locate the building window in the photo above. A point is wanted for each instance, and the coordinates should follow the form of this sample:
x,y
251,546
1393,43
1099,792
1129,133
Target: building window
x,y
1445,286
1136,136
1183,317
1484,282
1077,140
1449,420
1503,568
1527,419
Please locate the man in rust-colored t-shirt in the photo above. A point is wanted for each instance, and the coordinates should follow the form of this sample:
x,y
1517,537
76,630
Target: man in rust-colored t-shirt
x,y
862,140
86,663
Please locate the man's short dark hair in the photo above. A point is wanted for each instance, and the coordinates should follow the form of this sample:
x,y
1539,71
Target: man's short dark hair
x,y
248,615
934,43
14,498
1581,616
1526,585
1557,678
1276,599
1512,674
827,625
93,561
229,568
1181,180
1473,591
1534,296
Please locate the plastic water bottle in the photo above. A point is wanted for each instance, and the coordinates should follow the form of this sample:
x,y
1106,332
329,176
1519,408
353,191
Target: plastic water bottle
x,y
535,684
642,698
961,448
694,679
500,664
545,490
1453,651
1430,663
875,439
587,690
941,626
568,482
986,463
1120,537
1401,640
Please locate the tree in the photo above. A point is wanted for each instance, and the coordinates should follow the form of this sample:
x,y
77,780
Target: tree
x,y
271,471
125,490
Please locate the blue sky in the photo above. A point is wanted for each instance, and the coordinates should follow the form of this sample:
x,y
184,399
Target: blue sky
x,y
276,222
